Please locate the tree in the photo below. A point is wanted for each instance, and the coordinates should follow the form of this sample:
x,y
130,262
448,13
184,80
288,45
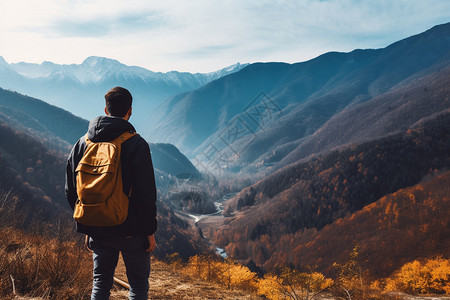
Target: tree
x,y
432,276
351,275
293,284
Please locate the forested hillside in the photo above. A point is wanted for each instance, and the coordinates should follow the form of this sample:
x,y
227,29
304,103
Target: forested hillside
x,y
409,224
389,113
303,198
32,113
32,174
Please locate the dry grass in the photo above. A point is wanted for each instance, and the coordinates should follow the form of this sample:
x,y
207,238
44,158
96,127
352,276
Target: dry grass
x,y
41,267
168,284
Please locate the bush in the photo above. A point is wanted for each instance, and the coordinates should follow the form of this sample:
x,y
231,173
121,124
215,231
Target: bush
x,y
49,268
430,277
227,273
293,284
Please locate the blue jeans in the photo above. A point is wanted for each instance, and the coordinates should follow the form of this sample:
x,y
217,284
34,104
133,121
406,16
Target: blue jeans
x,y
137,263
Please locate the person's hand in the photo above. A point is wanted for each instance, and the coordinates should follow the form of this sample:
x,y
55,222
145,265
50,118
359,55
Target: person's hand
x,y
86,242
151,243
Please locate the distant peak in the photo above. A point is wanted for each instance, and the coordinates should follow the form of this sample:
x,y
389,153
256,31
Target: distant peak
x,y
3,61
48,63
443,27
237,65
227,70
94,61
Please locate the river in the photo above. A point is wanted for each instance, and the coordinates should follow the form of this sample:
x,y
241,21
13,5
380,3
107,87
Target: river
x,y
202,217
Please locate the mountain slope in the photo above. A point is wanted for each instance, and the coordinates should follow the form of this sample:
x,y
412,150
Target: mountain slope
x,y
304,96
169,159
308,196
188,119
33,174
400,227
78,87
57,121
386,114
58,130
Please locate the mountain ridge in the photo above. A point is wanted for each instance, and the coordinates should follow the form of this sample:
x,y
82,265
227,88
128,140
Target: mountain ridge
x,y
308,94
382,115
306,197
105,65
77,86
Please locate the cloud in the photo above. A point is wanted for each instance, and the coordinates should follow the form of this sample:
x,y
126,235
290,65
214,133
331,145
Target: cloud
x,y
92,28
204,35
105,26
205,51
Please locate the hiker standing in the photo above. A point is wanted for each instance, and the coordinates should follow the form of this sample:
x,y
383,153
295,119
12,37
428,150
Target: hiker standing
x,y
110,184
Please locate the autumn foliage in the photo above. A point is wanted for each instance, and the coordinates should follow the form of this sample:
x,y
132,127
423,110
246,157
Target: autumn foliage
x,y
431,276
289,283
42,267
428,277
225,272
390,195
282,283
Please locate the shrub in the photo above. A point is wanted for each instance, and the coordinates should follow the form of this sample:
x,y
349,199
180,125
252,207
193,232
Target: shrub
x,y
293,284
227,273
36,266
430,277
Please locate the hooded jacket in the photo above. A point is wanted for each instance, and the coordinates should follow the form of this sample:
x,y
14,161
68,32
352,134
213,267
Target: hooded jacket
x,y
137,176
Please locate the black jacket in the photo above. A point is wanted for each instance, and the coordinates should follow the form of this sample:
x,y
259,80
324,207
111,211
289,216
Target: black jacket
x,y
137,174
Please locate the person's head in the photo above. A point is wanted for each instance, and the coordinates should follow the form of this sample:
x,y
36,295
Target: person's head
x,y
118,102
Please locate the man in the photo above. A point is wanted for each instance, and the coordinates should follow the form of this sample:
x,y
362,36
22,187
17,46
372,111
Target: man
x,y
134,237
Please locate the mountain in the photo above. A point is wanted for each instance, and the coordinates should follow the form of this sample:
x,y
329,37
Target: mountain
x,y
233,121
399,108
167,158
43,120
59,129
399,227
290,216
76,87
32,174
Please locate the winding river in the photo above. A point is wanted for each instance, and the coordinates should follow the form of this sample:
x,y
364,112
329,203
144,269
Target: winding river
x,y
202,217
219,208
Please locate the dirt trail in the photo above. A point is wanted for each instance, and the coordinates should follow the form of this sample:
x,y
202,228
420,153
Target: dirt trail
x,y
166,284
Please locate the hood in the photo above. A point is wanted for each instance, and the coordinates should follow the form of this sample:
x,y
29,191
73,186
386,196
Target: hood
x,y
107,128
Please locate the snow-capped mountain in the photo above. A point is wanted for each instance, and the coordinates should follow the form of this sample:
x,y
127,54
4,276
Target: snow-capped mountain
x,y
3,61
80,88
95,69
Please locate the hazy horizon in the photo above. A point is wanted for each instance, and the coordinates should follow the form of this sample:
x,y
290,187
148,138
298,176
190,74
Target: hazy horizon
x,y
204,36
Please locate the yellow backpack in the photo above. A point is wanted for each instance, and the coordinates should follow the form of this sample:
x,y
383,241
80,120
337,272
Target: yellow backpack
x,y
101,200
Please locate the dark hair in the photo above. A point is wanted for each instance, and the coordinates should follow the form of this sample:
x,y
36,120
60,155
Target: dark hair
x,y
118,101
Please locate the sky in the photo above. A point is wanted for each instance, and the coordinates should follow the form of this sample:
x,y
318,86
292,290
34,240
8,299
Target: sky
x,y
205,35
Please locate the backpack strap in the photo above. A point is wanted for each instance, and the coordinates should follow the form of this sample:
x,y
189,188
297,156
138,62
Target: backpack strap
x,y
117,141
87,140
123,137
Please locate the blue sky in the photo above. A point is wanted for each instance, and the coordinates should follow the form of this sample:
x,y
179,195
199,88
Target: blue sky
x,y
205,35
